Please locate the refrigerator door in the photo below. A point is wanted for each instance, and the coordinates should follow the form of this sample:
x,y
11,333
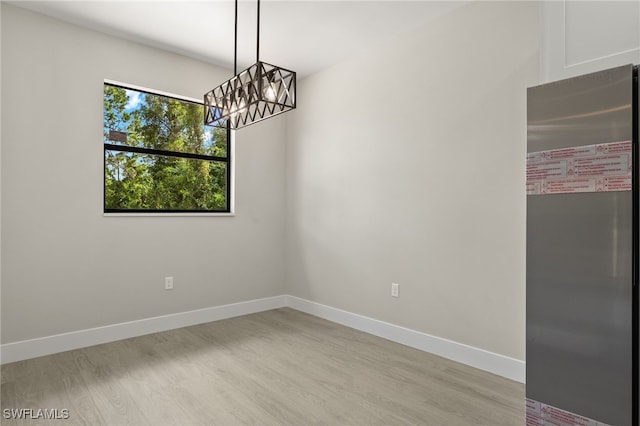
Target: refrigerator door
x,y
579,257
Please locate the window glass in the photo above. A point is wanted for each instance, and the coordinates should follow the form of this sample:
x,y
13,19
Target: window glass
x,y
160,157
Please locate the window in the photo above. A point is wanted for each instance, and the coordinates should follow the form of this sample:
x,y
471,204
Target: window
x,y
160,157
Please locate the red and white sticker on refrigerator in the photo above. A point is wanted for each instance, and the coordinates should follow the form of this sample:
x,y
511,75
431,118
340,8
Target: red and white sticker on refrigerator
x,y
539,414
593,168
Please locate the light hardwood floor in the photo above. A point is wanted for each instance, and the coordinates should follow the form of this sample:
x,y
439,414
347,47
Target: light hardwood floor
x,y
280,367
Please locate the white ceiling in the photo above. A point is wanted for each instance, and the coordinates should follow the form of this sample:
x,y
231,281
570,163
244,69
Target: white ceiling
x,y
303,35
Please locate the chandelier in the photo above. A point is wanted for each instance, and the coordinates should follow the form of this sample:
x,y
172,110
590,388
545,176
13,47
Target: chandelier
x,y
259,92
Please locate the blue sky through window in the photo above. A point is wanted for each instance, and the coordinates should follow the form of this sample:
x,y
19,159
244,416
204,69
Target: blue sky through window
x,y
134,100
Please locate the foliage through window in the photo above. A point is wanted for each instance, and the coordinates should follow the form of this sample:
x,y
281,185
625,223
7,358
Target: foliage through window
x,y
160,157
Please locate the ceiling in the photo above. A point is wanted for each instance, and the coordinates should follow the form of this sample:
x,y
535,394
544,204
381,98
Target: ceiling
x,y
303,35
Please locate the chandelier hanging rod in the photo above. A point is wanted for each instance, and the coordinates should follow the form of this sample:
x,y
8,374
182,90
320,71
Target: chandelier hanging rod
x,y
258,35
235,38
259,92
235,42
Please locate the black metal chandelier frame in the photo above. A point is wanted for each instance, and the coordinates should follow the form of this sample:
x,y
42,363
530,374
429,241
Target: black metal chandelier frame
x,y
261,91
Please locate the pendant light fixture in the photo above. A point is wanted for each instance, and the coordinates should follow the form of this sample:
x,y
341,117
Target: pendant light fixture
x,y
259,92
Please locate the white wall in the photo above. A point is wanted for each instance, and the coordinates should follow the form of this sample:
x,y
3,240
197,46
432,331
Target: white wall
x,y
579,37
406,165
65,266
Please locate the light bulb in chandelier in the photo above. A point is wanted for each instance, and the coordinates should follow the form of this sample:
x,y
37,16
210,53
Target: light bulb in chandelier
x,y
269,88
269,93
237,105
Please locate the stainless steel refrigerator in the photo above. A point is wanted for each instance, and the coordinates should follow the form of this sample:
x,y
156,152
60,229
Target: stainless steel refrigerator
x,y
582,250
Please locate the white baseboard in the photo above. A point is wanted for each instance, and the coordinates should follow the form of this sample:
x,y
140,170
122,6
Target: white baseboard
x,y
510,368
18,351
501,365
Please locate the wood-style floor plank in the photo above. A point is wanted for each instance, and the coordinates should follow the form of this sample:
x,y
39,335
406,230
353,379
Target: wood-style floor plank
x,y
280,367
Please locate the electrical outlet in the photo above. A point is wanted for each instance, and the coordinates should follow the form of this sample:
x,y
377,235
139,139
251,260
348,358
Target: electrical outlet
x,y
395,289
168,283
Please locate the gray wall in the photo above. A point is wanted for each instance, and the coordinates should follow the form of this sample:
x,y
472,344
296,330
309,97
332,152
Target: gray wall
x,y
406,164
65,266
